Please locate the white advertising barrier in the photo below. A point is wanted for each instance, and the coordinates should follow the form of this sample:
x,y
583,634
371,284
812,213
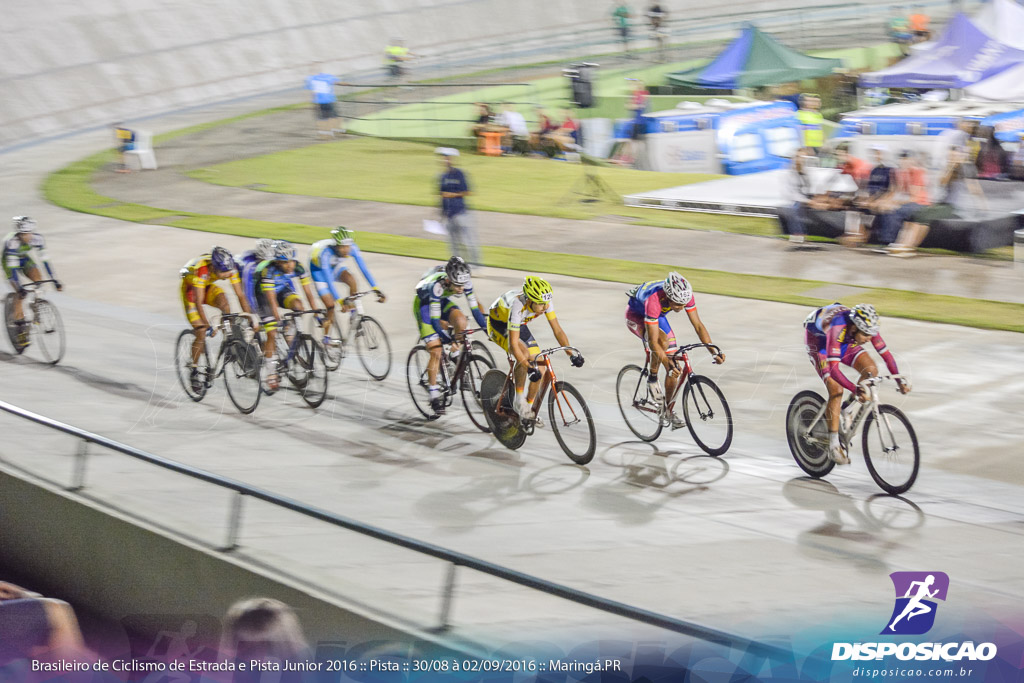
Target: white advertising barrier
x,y
687,152
597,137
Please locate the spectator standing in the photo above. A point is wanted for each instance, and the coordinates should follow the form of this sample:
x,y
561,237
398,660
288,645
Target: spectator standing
x,y
812,123
658,18
919,22
322,86
797,189
620,17
958,193
992,158
1015,164
899,30
517,135
395,56
454,188
125,138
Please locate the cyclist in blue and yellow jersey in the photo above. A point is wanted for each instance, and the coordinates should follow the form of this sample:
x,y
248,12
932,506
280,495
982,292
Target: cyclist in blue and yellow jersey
x,y
506,326
646,317
439,319
199,289
247,262
836,334
327,266
24,252
274,289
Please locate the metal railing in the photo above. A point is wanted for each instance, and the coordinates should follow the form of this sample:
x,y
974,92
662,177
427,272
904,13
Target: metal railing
x,y
455,559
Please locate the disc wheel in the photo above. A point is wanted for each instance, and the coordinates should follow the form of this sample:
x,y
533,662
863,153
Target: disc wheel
x,y
707,415
242,365
572,423
890,450
500,409
183,365
809,451
373,348
472,378
640,411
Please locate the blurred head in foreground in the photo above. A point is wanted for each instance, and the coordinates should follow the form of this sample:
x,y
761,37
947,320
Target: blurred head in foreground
x,y
262,628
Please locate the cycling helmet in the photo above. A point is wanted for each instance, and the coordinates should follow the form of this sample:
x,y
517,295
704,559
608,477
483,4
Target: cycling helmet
x,y
678,289
537,290
343,236
457,271
284,251
24,224
865,318
222,260
264,248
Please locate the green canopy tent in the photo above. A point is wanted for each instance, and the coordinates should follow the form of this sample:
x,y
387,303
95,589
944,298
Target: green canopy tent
x,y
753,60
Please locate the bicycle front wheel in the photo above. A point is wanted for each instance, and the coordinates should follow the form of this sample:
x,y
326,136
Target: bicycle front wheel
x,y
335,352
242,364
311,358
472,377
572,423
480,349
48,330
890,449
707,415
416,378
183,365
373,348
640,411
809,448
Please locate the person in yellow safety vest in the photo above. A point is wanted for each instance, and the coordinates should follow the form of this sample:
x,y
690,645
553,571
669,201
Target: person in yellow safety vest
x,y
395,54
811,121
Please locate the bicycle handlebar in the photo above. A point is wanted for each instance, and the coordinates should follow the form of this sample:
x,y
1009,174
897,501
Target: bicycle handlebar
x,y
873,381
36,284
548,352
683,349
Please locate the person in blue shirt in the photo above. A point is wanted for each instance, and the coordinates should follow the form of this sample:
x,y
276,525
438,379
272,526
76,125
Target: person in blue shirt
x,y
322,85
454,188
327,266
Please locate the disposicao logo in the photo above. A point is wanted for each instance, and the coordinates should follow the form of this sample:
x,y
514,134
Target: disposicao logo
x,y
914,614
916,593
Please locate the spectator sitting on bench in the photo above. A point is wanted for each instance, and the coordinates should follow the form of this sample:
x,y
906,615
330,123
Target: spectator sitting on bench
x,y
484,118
540,140
992,158
796,189
873,203
910,184
956,185
517,136
841,200
125,141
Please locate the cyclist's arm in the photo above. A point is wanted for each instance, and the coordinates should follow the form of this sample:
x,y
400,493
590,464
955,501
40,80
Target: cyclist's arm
x,y
834,356
652,313
307,285
12,264
358,256
46,261
236,283
436,290
886,355
269,289
474,305
698,325
560,335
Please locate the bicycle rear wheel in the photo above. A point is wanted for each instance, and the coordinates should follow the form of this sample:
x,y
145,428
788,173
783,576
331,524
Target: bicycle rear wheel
x,y
373,348
311,357
809,451
499,406
572,423
641,412
472,377
183,365
896,457
48,330
416,378
242,364
707,415
14,330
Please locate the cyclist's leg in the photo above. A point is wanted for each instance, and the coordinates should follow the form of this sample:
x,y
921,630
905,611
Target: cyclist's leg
x,y
349,281
667,342
191,307
29,269
216,297
328,296
528,343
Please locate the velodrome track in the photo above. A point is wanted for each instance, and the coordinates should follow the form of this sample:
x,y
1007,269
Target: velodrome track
x,y
740,543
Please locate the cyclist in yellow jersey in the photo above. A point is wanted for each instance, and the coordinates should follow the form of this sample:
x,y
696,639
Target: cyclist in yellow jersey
x,y
506,326
199,288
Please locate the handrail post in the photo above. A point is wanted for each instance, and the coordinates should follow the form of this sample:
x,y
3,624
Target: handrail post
x,y
78,476
234,522
446,599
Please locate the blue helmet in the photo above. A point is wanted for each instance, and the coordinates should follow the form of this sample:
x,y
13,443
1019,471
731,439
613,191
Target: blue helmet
x,y
222,260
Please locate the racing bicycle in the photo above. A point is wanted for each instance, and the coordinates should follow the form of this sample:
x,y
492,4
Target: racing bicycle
x,y
888,440
301,358
40,323
460,374
239,361
704,408
364,334
568,413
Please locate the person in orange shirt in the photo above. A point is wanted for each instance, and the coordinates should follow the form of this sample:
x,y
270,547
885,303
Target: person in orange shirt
x,y
911,195
919,25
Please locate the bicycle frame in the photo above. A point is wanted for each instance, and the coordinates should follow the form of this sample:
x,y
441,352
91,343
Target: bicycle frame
x,y
548,380
293,345
680,355
458,372
850,424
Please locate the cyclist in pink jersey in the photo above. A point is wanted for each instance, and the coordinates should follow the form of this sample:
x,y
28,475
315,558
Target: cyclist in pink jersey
x,y
835,335
649,303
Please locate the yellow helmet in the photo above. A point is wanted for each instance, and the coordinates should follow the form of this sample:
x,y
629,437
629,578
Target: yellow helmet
x,y
537,290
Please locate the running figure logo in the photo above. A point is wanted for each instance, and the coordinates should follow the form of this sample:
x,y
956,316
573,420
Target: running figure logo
x,y
916,592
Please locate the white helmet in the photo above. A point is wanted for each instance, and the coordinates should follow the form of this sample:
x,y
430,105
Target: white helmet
x,y
678,289
264,249
865,318
24,224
